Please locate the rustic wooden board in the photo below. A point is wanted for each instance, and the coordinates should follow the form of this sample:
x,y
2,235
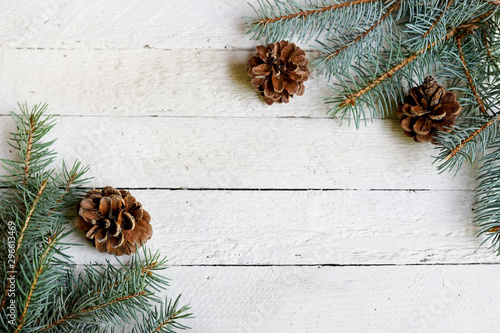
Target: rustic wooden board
x,y
248,153
340,299
215,24
309,227
275,219
145,82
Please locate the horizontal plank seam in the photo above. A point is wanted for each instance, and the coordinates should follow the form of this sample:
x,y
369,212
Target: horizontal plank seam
x,y
191,117
204,189
145,47
328,265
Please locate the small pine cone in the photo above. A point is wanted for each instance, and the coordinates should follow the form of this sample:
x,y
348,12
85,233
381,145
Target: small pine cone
x,y
427,109
278,71
113,221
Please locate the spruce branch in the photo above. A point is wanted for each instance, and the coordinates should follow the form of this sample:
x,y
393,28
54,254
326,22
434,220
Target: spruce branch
x,y
471,137
50,296
52,241
306,13
279,20
339,55
25,225
470,80
436,22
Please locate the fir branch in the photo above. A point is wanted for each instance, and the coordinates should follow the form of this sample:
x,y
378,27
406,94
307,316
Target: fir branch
x,y
92,309
164,319
282,19
306,13
437,20
493,2
487,209
351,99
29,148
467,73
27,221
364,34
52,242
471,137
48,294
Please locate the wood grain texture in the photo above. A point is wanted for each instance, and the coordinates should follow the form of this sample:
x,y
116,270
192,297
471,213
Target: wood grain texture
x,y
144,83
247,153
309,227
340,299
154,95
163,24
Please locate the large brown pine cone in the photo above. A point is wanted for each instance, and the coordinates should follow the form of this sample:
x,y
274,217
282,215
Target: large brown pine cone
x,y
113,221
278,71
427,109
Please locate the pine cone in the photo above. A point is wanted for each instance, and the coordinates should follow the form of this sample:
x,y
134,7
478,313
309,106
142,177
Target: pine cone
x,y
113,221
427,109
278,71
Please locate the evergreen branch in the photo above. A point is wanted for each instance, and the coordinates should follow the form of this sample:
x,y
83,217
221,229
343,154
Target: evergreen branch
x,y
306,13
282,19
94,308
51,243
493,2
21,237
467,73
487,46
487,209
27,160
165,319
351,99
30,214
437,20
460,146
364,34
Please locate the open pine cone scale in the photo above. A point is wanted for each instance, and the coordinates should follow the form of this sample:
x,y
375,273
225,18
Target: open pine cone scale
x,y
278,71
113,221
428,109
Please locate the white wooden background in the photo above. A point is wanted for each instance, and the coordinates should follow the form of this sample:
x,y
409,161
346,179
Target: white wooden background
x,y
275,219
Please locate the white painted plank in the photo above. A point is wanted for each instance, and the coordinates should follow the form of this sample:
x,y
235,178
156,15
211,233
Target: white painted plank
x,y
188,83
308,227
340,299
247,153
164,24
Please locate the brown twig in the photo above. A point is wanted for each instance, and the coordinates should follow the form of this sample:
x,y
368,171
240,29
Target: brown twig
x,y
351,99
27,159
496,2
487,45
52,241
314,11
437,20
21,237
169,320
120,299
470,137
467,73
357,39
